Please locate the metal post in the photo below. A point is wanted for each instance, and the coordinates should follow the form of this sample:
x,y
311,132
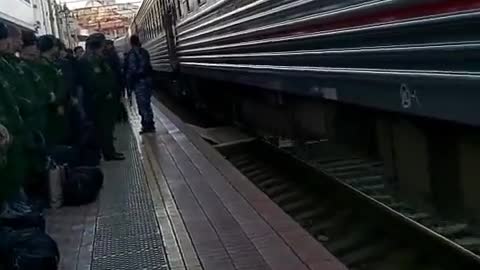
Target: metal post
x,y
67,26
60,31
51,16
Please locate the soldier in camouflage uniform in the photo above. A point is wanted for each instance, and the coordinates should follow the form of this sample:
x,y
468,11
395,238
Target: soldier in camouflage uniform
x,y
41,95
14,166
37,116
139,71
99,84
57,124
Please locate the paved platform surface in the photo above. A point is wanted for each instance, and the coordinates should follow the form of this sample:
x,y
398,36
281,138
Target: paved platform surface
x,y
175,203
120,230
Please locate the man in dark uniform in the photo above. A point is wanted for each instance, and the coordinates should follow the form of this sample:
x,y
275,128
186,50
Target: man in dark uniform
x,y
113,60
125,69
14,133
139,72
52,75
75,111
78,52
99,83
37,115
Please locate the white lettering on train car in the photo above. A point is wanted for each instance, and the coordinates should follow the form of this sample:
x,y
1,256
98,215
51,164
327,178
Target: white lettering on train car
x,y
408,97
329,93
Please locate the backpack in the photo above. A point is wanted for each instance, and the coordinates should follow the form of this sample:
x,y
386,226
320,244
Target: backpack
x,y
82,185
28,249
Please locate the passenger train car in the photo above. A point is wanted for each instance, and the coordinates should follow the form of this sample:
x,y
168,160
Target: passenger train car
x,y
121,45
409,56
18,14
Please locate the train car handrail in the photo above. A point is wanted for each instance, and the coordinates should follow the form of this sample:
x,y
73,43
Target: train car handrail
x,y
374,49
351,30
352,71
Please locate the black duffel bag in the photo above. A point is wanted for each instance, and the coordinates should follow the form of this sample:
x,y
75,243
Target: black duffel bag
x,y
28,249
18,214
24,221
81,185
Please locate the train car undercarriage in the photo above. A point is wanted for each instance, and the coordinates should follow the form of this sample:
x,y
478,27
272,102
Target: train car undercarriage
x,y
427,161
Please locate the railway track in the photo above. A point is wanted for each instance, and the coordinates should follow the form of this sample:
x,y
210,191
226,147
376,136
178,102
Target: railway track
x,y
345,202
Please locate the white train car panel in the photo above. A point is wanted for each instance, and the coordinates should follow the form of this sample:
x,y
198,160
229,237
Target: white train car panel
x,y
19,12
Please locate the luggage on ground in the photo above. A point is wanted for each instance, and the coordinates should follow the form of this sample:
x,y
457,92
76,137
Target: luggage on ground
x,y
82,185
17,214
27,250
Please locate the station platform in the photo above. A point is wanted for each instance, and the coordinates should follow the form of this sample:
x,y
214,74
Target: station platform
x,y
176,203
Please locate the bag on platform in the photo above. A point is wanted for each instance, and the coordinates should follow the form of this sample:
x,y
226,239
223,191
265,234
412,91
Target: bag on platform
x,y
25,221
28,249
82,185
56,177
16,218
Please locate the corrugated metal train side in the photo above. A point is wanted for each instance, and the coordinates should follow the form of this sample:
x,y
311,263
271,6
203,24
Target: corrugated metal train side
x,y
407,56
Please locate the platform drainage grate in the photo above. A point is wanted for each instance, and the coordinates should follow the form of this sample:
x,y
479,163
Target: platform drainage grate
x,y
127,234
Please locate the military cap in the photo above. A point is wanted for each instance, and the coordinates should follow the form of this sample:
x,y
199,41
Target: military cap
x,y
96,38
46,43
94,41
3,31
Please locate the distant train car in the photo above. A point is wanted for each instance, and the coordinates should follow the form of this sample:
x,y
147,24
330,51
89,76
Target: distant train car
x,y
18,13
408,56
121,46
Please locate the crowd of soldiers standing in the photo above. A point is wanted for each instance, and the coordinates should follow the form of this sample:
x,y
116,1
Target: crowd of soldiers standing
x,y
55,101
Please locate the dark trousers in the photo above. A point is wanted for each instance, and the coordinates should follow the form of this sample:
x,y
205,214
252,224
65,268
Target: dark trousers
x,y
143,94
105,117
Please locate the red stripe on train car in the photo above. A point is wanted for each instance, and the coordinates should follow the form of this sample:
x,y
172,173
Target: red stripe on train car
x,y
393,14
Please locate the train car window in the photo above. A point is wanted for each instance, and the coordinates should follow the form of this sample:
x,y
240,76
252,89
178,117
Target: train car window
x,y
156,18
179,8
145,25
153,23
193,4
145,28
187,4
162,7
159,18
149,24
